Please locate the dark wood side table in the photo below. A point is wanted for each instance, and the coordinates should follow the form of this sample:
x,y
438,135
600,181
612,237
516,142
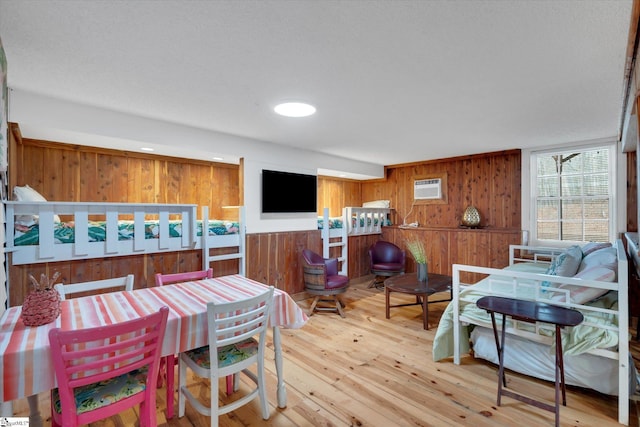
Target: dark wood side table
x,y
409,284
531,312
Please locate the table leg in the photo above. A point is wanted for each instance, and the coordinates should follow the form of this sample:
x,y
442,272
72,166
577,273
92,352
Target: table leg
x,y
6,409
170,364
560,364
425,311
502,381
35,419
386,301
495,337
277,348
559,375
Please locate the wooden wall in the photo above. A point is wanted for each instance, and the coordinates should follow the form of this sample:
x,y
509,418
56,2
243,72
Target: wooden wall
x,y
336,193
74,173
491,182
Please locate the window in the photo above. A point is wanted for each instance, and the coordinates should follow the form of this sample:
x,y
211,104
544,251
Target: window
x,y
573,194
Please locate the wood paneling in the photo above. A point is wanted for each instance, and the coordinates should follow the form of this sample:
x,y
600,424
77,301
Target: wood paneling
x,y
490,182
274,258
87,174
335,194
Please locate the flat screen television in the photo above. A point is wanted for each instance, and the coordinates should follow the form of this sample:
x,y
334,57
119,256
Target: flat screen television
x,y
287,192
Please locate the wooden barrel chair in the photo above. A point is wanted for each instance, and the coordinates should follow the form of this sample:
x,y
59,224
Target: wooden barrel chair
x,y
321,279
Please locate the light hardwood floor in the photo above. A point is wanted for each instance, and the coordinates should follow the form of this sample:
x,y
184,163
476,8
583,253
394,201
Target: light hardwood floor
x,y
365,370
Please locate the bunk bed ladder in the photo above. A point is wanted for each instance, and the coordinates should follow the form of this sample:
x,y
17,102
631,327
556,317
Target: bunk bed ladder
x,y
207,258
342,241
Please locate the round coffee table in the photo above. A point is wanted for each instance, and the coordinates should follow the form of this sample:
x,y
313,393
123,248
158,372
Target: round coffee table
x,y
409,284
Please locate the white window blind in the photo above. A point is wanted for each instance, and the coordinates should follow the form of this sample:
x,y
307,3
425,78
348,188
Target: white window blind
x,y
573,194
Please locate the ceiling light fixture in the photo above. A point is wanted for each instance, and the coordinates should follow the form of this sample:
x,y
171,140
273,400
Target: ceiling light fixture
x,y
295,109
218,158
146,149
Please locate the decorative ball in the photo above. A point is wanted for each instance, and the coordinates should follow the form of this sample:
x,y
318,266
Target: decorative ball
x,y
471,217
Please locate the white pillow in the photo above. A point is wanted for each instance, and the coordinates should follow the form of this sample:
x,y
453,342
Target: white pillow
x,y
594,246
376,204
566,264
28,194
584,294
606,257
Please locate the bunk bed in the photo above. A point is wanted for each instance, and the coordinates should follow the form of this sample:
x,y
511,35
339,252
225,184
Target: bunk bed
x,y
45,232
39,232
354,221
596,351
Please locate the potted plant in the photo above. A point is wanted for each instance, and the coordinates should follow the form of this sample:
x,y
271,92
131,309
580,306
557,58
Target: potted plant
x,y
416,248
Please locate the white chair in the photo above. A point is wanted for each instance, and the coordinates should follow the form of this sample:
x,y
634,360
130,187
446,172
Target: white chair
x,y
232,330
119,283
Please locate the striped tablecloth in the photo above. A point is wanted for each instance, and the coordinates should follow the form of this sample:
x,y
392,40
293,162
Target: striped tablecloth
x,y
25,359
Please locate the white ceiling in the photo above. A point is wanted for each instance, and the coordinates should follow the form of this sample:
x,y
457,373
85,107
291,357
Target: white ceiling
x,y
393,81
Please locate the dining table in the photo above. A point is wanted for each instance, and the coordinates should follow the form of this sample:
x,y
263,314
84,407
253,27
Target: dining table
x,y
25,356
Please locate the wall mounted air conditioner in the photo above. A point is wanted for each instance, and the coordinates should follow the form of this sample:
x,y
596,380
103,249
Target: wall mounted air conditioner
x,y
427,189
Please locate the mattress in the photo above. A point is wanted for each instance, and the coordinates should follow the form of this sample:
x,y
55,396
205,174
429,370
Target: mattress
x,y
538,360
334,222
338,222
64,232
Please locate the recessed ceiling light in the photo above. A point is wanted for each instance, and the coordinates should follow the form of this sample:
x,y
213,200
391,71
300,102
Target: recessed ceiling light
x,y
217,158
295,109
146,149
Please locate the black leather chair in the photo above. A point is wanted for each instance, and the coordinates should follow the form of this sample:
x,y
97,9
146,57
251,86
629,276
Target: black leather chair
x,y
322,280
386,260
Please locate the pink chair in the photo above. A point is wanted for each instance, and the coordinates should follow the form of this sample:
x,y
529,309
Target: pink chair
x,y
105,370
167,279
172,360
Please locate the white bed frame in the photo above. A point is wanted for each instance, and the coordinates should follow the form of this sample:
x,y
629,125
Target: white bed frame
x,y
515,277
82,248
224,241
374,218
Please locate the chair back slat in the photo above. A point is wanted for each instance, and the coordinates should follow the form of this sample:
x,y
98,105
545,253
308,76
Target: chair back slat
x,y
118,283
166,279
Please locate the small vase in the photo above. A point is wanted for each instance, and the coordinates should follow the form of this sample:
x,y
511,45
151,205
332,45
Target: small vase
x,y
471,217
422,272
